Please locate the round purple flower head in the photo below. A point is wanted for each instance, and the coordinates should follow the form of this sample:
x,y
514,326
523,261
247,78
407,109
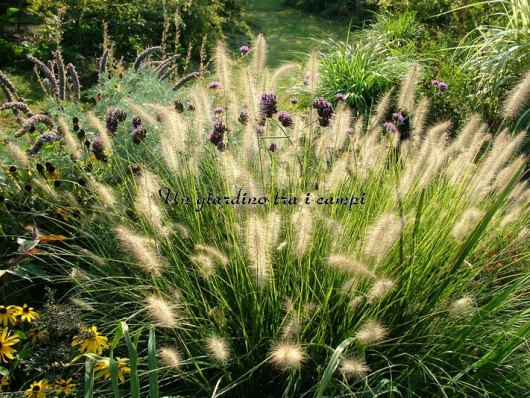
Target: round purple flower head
x,y
340,97
244,50
435,82
214,85
390,127
136,121
272,147
218,110
260,130
268,104
397,117
324,111
443,86
285,119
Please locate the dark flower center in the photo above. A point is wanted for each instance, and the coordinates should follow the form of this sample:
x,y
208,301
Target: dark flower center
x,y
64,384
25,310
3,311
0,346
36,389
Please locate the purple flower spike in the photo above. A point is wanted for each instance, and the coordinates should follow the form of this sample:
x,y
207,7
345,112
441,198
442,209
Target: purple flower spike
x,y
244,50
397,117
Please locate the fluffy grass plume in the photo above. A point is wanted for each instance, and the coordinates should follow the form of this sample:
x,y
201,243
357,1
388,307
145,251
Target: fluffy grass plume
x,y
382,235
161,312
218,349
348,264
372,332
287,356
408,90
353,368
257,250
171,358
518,99
303,225
141,249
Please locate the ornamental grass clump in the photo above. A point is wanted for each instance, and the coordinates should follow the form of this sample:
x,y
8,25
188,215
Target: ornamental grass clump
x,y
322,258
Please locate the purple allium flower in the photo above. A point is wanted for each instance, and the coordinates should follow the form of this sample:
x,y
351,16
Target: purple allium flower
x,y
272,147
294,101
214,85
139,134
136,121
260,130
390,127
398,117
285,119
340,97
268,104
443,86
217,135
435,82
244,50
218,110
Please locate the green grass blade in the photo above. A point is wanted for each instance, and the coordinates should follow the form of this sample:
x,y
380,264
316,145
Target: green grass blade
x,y
133,358
89,378
151,357
332,365
113,370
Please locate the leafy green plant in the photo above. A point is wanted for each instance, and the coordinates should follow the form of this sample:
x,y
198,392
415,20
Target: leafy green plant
x,y
362,71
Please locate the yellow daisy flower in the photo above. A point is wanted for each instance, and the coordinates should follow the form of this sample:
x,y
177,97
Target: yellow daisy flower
x,y
8,314
3,382
27,313
101,369
37,389
64,386
91,341
35,334
5,345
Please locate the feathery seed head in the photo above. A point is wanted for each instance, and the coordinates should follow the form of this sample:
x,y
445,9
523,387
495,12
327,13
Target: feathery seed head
x,y
371,332
218,349
353,368
170,357
462,305
379,289
161,312
287,356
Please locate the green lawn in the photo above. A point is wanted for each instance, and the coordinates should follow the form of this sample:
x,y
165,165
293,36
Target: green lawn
x,y
290,33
